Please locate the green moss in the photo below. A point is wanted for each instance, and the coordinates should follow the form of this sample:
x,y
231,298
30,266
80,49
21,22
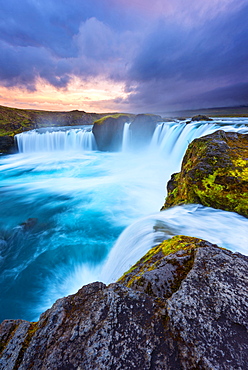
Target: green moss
x,y
3,344
31,331
115,116
136,277
152,258
213,174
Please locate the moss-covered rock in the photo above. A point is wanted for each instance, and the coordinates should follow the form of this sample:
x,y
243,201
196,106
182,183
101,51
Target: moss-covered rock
x,y
108,131
186,309
161,270
214,173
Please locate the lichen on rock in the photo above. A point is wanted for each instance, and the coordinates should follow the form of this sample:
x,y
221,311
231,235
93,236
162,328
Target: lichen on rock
x,y
214,173
184,305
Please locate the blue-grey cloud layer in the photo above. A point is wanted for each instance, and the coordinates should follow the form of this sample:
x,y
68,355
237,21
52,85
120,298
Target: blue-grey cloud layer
x,y
164,61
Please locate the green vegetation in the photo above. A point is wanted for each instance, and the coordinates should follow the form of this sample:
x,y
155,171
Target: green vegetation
x,y
214,173
153,257
14,121
114,116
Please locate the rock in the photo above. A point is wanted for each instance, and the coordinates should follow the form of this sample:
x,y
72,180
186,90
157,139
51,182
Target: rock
x,y
99,328
108,132
29,224
214,173
205,290
7,144
201,117
184,305
142,129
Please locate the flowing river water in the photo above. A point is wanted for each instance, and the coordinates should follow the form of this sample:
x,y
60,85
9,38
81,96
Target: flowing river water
x,y
71,214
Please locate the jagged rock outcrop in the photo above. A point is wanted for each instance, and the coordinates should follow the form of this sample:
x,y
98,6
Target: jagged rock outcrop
x,y
214,173
184,305
108,131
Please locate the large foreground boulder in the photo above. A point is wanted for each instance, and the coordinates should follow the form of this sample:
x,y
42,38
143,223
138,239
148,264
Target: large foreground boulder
x,y
214,173
184,305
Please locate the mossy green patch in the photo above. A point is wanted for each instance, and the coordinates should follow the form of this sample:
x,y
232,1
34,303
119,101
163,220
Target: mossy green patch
x,y
153,257
31,331
115,116
214,173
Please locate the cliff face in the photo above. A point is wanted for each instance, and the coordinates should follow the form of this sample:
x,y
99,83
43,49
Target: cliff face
x,y
14,121
214,173
184,305
142,129
108,131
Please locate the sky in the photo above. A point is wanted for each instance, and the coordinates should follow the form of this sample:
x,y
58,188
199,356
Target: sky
x,y
123,55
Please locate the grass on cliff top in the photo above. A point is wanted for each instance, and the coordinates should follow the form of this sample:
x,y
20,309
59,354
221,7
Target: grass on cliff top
x,y
115,116
15,120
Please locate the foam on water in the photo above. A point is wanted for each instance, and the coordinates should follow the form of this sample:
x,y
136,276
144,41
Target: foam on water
x,y
226,229
83,200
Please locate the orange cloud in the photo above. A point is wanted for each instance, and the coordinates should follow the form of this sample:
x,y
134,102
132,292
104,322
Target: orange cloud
x,y
96,95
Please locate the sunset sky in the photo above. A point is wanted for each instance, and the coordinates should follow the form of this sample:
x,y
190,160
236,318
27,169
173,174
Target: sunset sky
x,y
123,55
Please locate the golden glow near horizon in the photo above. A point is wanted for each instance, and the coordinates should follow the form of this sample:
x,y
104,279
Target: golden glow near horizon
x,y
96,95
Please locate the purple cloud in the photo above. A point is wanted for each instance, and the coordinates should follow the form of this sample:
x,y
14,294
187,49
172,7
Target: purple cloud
x,y
169,55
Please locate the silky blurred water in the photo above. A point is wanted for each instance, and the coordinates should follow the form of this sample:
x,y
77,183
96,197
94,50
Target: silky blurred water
x,y
80,201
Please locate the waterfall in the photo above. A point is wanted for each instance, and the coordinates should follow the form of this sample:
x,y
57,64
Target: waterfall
x,y
91,205
173,138
191,220
126,137
60,139
170,138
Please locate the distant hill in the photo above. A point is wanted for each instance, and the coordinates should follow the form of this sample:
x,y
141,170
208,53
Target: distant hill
x,y
14,121
241,111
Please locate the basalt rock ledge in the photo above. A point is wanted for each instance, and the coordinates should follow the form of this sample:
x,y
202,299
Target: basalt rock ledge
x,y
184,305
214,173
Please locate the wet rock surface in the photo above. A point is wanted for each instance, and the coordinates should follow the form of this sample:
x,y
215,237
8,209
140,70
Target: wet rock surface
x,y
214,173
142,129
108,132
201,117
7,144
184,305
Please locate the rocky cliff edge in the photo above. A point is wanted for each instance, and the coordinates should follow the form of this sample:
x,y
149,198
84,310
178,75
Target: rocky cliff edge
x,y
184,305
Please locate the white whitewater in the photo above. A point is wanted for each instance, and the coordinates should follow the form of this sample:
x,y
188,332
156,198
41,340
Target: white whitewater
x,y
83,199
126,137
226,229
173,138
169,138
80,139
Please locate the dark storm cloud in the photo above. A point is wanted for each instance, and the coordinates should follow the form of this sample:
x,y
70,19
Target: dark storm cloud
x,y
177,58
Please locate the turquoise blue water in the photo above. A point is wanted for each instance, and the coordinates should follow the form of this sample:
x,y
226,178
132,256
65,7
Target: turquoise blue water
x,y
80,201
